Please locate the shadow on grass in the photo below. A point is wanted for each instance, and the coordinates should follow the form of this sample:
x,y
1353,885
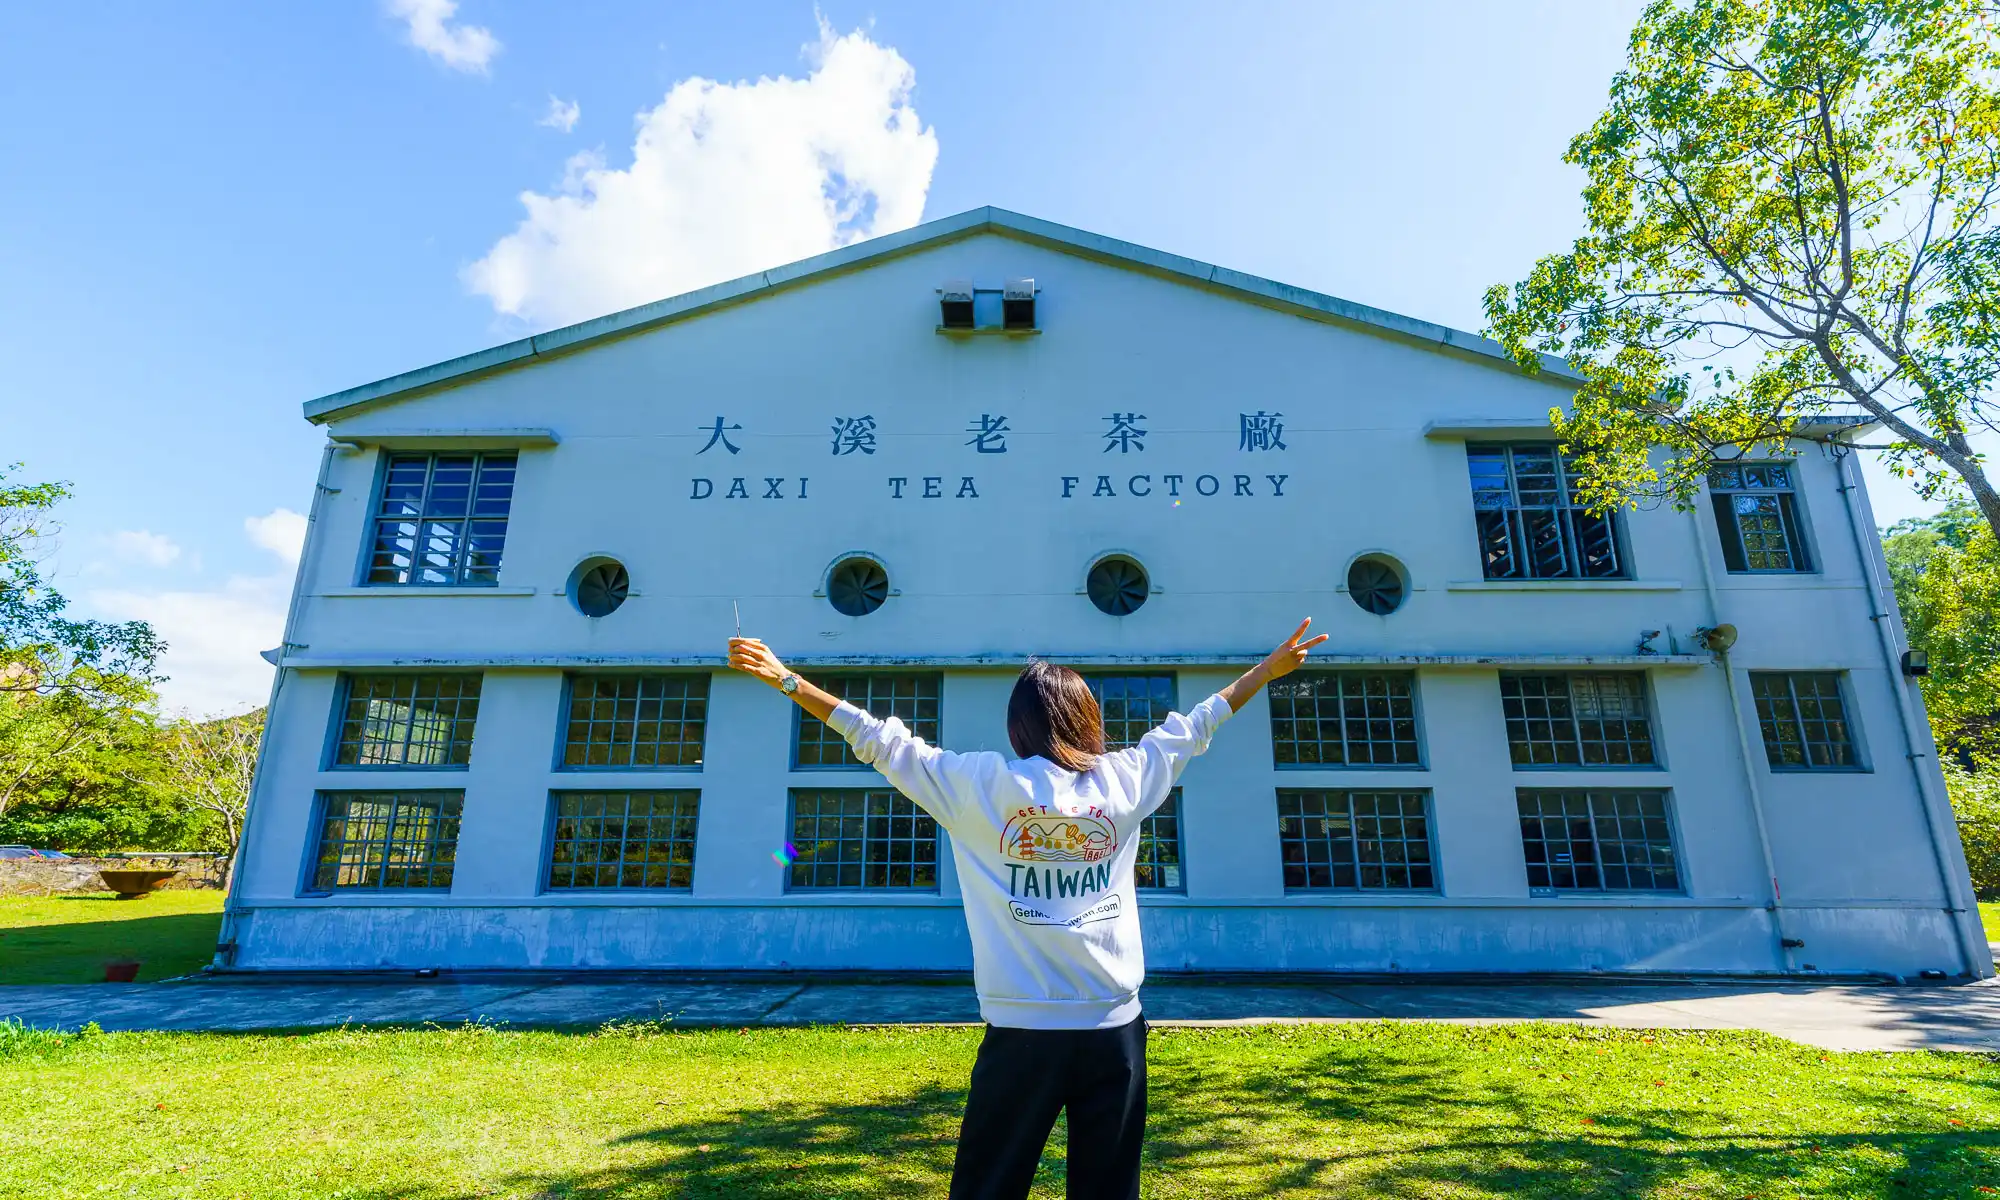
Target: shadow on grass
x,y
75,951
1337,1124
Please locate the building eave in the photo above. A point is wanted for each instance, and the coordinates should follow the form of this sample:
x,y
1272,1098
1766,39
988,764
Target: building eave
x,y
1128,255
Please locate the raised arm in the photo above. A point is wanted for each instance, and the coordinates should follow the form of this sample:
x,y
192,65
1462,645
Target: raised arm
x,y
937,779
1276,665
754,658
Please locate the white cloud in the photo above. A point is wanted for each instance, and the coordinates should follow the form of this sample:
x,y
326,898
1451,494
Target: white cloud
x,y
725,178
281,531
562,114
214,637
461,47
142,546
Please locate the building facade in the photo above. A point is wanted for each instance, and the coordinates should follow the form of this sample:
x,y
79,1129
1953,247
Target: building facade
x,y
502,733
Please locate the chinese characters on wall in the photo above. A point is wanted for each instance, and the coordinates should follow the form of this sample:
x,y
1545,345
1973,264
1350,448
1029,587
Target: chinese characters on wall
x,y
857,435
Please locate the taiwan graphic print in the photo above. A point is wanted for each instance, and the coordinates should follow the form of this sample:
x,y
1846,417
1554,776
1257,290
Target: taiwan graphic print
x,y
1055,861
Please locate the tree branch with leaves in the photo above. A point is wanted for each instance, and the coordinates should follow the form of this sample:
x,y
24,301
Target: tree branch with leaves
x,y
1791,210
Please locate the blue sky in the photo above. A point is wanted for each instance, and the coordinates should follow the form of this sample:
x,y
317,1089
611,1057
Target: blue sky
x,y
215,212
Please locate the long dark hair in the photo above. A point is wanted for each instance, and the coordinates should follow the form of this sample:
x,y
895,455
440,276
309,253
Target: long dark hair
x,y
1053,714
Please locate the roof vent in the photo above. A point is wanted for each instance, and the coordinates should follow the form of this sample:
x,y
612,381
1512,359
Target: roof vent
x,y
955,305
1017,304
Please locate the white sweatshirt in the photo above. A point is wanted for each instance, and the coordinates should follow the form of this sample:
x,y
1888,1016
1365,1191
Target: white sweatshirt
x,y
1044,861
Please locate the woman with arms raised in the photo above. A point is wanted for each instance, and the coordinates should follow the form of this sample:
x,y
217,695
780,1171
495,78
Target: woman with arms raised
x,y
1045,845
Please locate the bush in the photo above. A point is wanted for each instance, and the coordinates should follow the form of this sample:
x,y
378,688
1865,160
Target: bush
x,y
1975,800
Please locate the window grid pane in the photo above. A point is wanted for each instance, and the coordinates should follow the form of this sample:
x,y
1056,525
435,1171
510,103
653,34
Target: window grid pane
x,y
623,840
1597,841
1158,866
1355,841
441,519
1804,721
1577,719
383,840
861,838
1756,508
640,721
1345,719
1133,705
1529,524
911,698
407,721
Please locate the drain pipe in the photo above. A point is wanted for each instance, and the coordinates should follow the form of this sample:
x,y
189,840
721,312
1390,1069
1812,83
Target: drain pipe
x,y
1776,904
1916,735
225,938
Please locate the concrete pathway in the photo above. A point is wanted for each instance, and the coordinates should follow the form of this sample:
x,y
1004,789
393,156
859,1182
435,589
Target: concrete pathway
x,y
1841,1017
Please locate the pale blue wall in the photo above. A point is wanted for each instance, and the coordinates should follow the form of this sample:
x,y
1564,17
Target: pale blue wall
x,y
1002,576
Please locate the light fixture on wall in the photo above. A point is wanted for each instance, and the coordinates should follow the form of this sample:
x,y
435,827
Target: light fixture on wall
x,y
1716,639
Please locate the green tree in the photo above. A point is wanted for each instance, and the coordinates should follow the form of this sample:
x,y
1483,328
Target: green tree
x,y
1791,211
1946,572
65,684
206,766
108,794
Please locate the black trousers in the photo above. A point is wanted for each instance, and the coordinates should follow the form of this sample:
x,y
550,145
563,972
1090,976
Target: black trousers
x,y
1022,1079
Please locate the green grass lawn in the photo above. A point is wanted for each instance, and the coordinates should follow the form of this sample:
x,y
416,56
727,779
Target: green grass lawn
x,y
67,938
1372,1110
1989,916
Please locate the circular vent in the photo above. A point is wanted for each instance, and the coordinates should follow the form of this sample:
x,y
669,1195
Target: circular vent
x,y
1376,585
602,588
1118,586
857,587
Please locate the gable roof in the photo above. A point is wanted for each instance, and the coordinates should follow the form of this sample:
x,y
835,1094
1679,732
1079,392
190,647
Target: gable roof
x,y
1254,289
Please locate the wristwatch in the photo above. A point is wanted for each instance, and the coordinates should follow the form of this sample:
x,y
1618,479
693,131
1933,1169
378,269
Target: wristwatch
x,y
789,684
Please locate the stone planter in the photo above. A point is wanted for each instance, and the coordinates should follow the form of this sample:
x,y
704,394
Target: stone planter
x,y
130,885
124,971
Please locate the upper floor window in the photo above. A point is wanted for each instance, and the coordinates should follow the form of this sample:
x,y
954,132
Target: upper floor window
x,y
407,721
1530,524
1757,515
912,699
1345,719
1804,720
1577,719
1133,705
442,519
640,721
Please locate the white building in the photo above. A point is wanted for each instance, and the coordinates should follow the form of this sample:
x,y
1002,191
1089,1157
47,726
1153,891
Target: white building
x,y
1517,754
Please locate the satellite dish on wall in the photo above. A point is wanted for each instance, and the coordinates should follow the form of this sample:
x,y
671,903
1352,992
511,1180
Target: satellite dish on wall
x,y
1717,639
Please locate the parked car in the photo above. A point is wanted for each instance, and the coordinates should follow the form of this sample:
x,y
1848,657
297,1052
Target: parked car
x,y
29,852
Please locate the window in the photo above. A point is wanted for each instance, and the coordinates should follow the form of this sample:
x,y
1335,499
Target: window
x,y
1158,866
1133,705
1574,719
384,840
623,840
407,721
1757,514
1341,841
1345,719
635,721
1578,841
867,838
442,519
1804,720
911,698
1530,525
